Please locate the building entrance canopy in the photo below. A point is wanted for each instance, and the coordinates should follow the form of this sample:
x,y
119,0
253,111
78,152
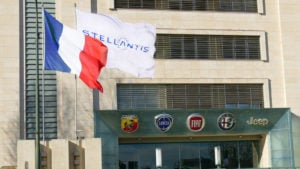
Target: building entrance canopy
x,y
156,123
117,127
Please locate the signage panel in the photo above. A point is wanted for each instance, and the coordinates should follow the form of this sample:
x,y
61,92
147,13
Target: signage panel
x,y
147,123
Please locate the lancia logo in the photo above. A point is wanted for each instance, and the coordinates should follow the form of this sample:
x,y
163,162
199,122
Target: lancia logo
x,y
163,122
129,123
226,121
195,122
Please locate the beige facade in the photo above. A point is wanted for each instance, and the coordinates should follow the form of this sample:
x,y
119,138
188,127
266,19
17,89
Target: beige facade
x,y
277,69
61,154
9,85
276,23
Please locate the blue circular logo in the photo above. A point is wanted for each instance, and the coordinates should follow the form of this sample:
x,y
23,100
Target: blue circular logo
x,y
163,122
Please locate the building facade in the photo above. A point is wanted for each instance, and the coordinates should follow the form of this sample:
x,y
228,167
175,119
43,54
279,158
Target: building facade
x,y
226,76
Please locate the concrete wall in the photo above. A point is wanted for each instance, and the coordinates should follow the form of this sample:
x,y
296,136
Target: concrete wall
x,y
268,70
290,38
61,154
66,85
278,70
9,85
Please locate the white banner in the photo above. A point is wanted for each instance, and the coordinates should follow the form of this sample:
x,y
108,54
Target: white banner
x,y
131,47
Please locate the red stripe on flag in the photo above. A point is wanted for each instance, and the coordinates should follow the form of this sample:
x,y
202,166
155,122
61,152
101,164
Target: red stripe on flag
x,y
93,58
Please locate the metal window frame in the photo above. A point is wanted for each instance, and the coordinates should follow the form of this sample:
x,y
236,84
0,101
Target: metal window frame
x,y
47,103
204,5
189,96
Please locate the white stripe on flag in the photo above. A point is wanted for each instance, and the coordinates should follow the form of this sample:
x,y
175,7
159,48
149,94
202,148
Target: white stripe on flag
x,y
71,43
131,47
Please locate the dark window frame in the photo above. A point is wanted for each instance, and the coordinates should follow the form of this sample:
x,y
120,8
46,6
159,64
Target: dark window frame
x,y
183,46
47,79
249,6
189,96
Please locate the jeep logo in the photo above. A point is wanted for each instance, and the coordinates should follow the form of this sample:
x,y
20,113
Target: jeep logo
x,y
258,121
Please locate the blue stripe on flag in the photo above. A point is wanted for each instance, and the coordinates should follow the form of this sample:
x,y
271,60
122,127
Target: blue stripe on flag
x,y
53,31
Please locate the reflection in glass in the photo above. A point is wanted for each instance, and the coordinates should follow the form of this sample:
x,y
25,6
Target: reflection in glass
x,y
234,154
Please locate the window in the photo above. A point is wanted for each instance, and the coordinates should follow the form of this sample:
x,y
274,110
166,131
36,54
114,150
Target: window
x,y
184,155
48,93
189,96
171,46
192,5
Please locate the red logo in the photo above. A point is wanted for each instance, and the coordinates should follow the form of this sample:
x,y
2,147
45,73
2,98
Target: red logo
x,y
195,122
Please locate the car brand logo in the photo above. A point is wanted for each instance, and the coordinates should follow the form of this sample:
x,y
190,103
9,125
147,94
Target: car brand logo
x,y
226,121
129,123
163,122
195,122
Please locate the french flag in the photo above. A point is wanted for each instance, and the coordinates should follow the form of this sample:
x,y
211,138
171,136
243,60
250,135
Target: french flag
x,y
68,50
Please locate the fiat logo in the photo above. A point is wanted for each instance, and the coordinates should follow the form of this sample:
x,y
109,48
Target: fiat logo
x,y
195,122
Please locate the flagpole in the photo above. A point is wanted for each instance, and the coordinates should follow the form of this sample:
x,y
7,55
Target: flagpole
x,y
96,106
75,113
43,72
37,126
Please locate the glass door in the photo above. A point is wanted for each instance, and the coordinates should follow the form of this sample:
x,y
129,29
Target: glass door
x,y
234,154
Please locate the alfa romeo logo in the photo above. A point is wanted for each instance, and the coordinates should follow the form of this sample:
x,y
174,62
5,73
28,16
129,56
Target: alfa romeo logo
x,y
163,122
226,121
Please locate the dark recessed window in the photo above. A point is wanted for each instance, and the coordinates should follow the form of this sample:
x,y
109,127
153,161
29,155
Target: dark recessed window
x,y
191,5
189,96
171,46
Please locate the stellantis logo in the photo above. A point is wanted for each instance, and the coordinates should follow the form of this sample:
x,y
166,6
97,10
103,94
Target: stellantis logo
x,y
118,42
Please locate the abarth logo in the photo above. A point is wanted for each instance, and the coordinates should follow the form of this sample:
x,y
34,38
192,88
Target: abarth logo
x,y
129,123
195,122
163,122
226,121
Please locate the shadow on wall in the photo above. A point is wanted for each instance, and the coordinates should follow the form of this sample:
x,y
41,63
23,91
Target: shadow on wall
x,y
8,167
62,153
9,144
65,116
84,111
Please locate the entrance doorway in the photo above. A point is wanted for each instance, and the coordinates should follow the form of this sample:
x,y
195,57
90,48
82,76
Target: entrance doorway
x,y
200,155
